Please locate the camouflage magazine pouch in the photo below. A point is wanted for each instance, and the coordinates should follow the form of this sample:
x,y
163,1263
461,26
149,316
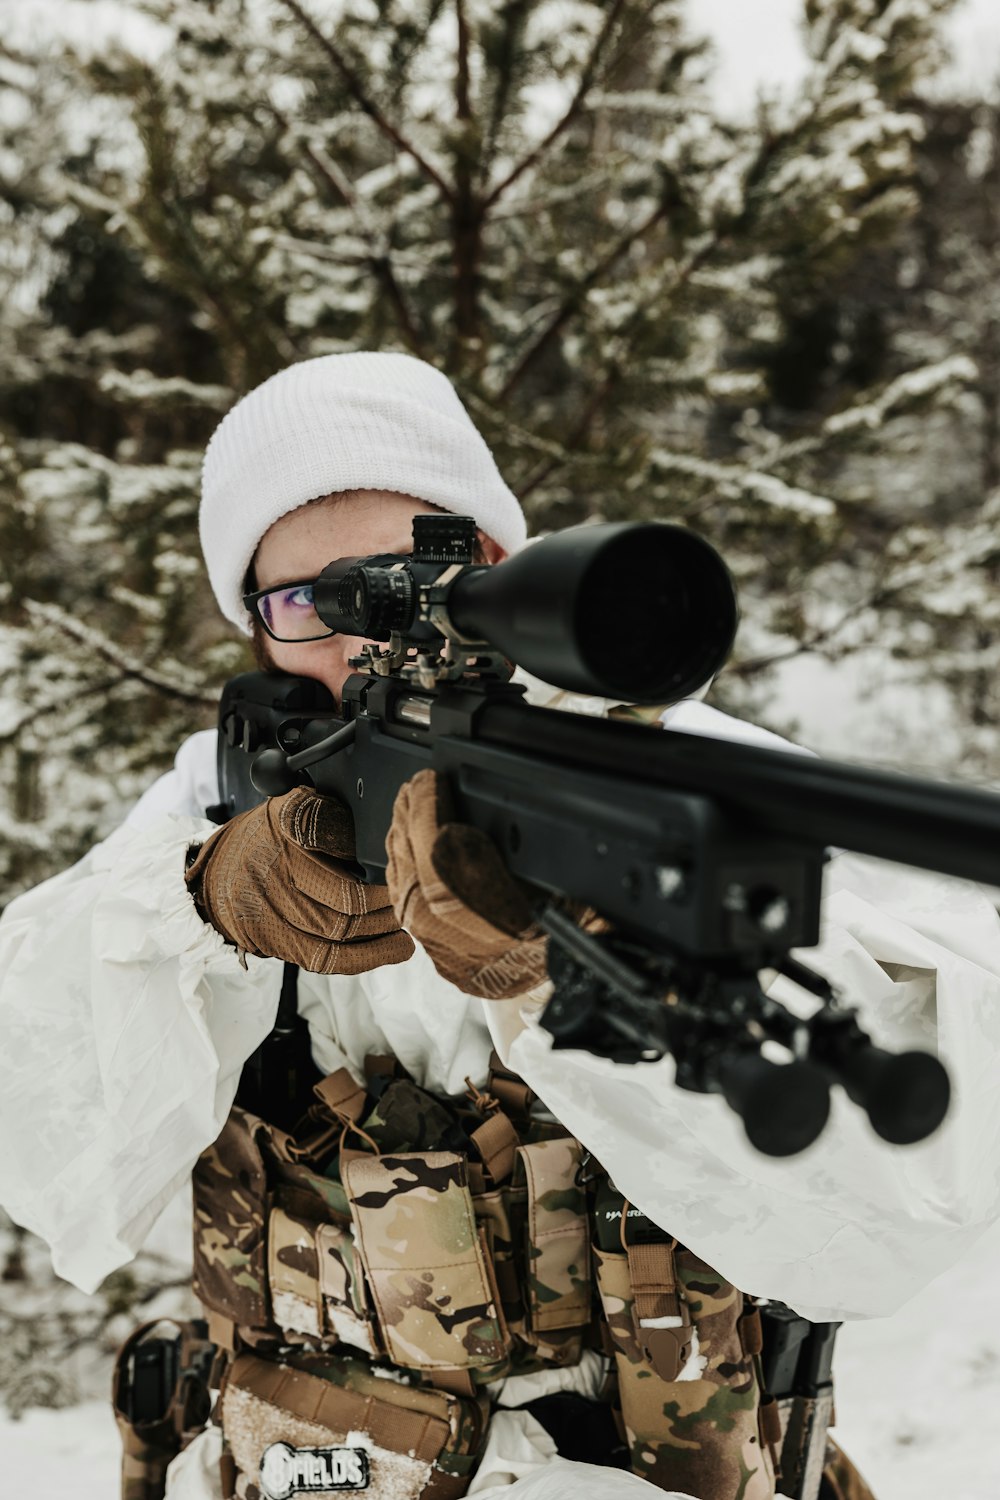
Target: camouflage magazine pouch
x,y
161,1400
556,1246
495,1216
252,1171
423,1253
468,1256
687,1380
316,1417
230,1215
315,1279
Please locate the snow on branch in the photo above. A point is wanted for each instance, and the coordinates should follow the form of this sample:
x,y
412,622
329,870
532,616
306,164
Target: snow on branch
x,y
568,116
144,387
187,688
734,481
364,101
15,726
909,392
914,388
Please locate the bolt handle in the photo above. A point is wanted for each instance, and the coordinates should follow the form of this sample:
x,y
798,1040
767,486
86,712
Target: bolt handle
x,y
270,773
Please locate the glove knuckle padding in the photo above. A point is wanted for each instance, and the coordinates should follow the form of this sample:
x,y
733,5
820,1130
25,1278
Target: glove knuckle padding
x,y
316,822
360,957
271,883
328,884
451,890
468,863
401,874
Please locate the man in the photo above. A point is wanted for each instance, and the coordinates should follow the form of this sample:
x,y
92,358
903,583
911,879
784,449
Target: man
x,y
134,988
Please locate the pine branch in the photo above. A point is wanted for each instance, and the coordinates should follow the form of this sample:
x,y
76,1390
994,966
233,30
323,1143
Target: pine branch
x,y
493,416
754,665
178,247
762,487
378,261
168,248
364,101
467,214
559,461
611,371
868,413
572,110
463,105
514,15
695,262
163,392
207,279
405,58
571,304
56,705
128,666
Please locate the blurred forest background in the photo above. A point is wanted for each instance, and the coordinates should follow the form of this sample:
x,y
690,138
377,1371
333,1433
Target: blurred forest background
x,y
784,331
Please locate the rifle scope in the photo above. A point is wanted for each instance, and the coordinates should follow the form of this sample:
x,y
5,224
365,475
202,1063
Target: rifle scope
x,y
640,611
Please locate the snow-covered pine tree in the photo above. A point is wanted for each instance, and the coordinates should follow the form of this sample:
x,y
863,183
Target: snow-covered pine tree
x,y
100,441
922,482
941,615
537,195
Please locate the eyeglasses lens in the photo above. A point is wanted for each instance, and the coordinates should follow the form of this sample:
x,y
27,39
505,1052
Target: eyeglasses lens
x,y
290,614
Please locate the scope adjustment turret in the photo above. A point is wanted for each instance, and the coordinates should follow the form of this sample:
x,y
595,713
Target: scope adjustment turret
x,y
444,539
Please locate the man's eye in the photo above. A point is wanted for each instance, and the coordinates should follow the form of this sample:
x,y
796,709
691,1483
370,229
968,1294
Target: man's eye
x,y
301,598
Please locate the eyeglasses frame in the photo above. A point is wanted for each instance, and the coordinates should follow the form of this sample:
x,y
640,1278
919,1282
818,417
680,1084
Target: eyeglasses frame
x,y
251,602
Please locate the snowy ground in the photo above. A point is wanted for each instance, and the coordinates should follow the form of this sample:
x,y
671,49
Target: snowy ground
x,y
918,1394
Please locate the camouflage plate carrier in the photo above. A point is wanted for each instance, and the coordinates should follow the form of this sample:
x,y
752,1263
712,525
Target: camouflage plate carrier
x,y
367,1274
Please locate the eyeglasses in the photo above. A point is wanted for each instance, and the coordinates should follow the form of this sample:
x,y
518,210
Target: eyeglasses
x,y
288,613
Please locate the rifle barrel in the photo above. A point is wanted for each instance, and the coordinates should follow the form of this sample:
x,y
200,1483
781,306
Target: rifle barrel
x,y
934,825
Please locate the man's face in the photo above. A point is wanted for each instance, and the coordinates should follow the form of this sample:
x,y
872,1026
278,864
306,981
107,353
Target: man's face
x,y
300,546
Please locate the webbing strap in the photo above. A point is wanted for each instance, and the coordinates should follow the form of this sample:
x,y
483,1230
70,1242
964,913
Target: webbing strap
x,y
661,1316
497,1141
513,1093
341,1094
221,1331
228,1473
383,1065
455,1382
750,1331
769,1417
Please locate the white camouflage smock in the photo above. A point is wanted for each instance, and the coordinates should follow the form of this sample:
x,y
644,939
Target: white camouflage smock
x,y
126,1020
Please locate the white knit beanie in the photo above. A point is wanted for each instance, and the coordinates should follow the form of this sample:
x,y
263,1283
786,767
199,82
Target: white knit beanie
x,y
342,422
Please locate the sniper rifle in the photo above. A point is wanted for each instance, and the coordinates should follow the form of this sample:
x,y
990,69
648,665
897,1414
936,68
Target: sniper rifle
x,y
705,856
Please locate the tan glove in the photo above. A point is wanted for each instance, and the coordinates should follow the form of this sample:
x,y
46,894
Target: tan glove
x,y
273,881
451,890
